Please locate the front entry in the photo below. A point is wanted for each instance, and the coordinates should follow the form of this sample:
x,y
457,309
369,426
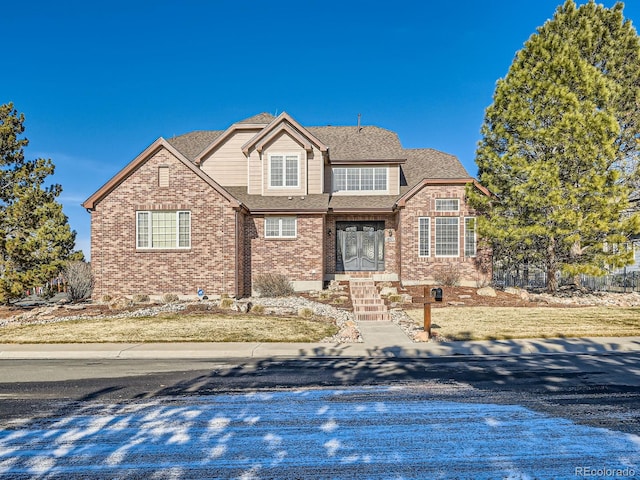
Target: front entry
x,y
359,246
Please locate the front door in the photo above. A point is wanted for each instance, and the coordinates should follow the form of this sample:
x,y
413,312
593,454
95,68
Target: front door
x,y
359,246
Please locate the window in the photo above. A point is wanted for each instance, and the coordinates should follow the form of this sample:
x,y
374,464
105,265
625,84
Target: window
x,y
447,205
423,236
373,179
163,229
470,237
280,227
283,171
447,237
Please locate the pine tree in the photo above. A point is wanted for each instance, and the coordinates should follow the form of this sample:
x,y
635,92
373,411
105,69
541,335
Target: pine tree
x,y
559,149
37,240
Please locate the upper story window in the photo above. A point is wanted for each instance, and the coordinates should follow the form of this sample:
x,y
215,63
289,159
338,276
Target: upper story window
x,y
283,170
163,229
447,205
351,179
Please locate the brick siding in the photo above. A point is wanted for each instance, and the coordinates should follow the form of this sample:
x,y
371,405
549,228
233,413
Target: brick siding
x,y
298,258
122,269
471,270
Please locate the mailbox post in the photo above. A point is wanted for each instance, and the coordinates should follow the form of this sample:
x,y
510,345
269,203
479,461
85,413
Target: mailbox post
x,y
435,293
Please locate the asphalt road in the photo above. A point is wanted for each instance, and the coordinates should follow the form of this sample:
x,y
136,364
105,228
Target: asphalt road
x,y
529,417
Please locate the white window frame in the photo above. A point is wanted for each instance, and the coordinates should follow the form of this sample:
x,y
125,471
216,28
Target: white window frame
x,y
148,244
466,236
446,204
439,246
280,229
283,177
424,233
341,175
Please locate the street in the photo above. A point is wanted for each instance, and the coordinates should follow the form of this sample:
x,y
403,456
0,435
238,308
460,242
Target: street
x,y
537,416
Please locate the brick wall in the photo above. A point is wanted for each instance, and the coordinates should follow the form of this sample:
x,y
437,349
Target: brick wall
x,y
300,259
121,269
416,269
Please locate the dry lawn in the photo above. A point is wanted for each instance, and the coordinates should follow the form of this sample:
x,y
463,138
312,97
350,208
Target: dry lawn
x,y
493,323
173,328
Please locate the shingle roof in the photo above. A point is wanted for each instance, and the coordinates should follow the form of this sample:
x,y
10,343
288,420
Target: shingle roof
x,y
366,143
345,144
261,118
297,202
428,163
191,144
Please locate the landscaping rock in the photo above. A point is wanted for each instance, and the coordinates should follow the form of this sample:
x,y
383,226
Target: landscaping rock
x,y
453,303
487,292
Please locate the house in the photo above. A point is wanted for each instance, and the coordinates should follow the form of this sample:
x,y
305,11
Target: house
x,y
211,210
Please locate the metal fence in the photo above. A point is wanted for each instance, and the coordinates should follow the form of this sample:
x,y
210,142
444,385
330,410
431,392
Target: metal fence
x,y
534,278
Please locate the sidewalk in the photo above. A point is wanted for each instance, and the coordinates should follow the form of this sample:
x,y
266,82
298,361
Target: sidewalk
x,y
381,339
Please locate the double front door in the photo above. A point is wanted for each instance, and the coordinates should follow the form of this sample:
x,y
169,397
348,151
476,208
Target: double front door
x,y
359,246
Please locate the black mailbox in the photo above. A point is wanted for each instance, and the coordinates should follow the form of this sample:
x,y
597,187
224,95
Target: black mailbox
x,y
437,294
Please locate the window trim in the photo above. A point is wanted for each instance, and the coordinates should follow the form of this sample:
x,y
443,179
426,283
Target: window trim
x,y
150,230
421,228
344,171
280,235
475,236
457,224
284,170
440,208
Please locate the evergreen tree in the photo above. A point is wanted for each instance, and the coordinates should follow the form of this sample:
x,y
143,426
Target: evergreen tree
x,y
37,240
559,146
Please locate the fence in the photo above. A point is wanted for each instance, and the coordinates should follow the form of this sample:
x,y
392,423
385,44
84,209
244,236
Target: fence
x,y
535,278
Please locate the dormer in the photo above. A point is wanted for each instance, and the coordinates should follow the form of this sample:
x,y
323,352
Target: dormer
x,y
285,159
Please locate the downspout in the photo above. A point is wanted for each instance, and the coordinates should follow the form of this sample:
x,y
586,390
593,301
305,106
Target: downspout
x,y
237,292
399,243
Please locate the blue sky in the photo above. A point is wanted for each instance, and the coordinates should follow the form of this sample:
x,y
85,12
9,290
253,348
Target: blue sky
x,y
99,81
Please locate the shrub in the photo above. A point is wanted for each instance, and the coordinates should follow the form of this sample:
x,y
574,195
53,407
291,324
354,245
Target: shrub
x,y
119,303
106,298
324,295
257,309
141,298
273,285
226,302
305,312
79,280
170,298
448,276
395,298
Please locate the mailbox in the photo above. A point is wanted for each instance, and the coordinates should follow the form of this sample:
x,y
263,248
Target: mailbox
x,y
436,293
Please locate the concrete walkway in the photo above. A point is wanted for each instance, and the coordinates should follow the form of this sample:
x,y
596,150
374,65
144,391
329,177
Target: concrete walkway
x,y
380,339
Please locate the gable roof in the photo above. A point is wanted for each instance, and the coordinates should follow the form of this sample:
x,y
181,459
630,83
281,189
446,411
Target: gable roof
x,y
284,123
344,144
127,171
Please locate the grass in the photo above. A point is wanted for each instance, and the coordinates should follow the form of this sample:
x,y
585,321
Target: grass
x,y
173,328
490,323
